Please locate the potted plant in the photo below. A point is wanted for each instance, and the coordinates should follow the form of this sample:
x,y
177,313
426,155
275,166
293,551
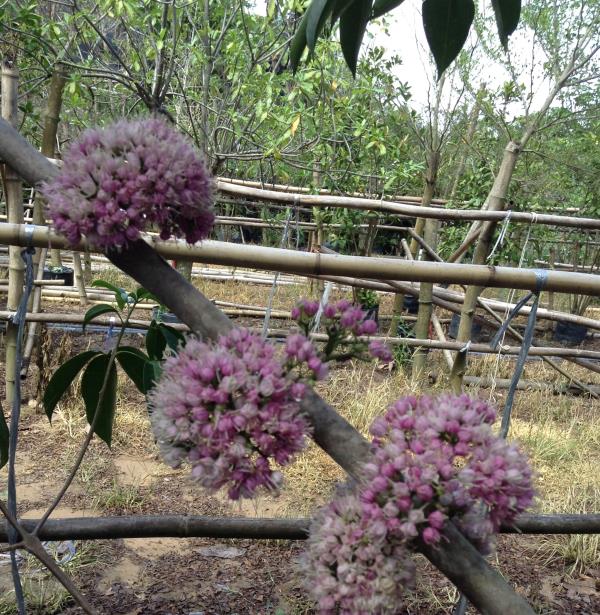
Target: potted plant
x,y
59,273
369,302
571,332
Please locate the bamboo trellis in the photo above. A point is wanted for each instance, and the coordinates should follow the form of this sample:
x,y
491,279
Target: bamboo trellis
x,y
455,557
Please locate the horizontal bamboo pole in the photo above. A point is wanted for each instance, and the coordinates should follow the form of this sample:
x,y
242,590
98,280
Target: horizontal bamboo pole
x,y
196,526
404,209
529,385
302,190
290,261
39,283
536,351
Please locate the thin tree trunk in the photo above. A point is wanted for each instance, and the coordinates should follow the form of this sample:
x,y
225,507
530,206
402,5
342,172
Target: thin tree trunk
x,y
496,202
471,128
51,120
430,231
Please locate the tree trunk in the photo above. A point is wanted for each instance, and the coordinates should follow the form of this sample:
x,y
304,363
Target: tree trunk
x,y
425,296
51,120
496,202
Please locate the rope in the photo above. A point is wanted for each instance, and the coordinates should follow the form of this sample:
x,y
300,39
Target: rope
x,y
19,319
322,304
286,228
541,277
502,235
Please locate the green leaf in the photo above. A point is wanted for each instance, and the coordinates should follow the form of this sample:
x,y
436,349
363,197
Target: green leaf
x,y
508,13
91,384
121,295
133,362
152,372
141,293
317,13
173,338
155,342
62,379
298,43
447,24
4,436
353,23
381,7
98,310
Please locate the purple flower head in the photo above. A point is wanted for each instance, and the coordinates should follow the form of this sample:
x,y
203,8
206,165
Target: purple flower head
x,y
231,410
416,447
305,309
122,180
350,566
379,350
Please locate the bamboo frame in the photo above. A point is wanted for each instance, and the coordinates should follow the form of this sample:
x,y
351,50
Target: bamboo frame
x,y
454,556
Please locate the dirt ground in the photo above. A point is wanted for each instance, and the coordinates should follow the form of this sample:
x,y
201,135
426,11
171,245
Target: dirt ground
x,y
213,577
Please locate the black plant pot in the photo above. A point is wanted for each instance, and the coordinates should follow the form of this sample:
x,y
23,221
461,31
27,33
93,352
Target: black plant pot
x,y
570,333
411,304
161,316
65,273
372,313
477,333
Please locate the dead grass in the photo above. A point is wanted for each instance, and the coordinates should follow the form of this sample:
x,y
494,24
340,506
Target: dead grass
x,y
561,433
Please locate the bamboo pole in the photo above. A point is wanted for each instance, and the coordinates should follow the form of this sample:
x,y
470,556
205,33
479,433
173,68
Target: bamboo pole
x,y
405,210
79,278
425,306
13,191
303,263
496,202
197,526
442,344
303,190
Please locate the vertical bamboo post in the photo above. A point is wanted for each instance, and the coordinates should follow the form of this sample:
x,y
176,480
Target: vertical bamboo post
x,y
426,292
398,305
13,190
425,306
551,261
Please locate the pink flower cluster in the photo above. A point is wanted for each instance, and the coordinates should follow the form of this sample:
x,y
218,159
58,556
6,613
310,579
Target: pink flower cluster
x,y
119,181
343,323
230,408
301,351
351,567
434,459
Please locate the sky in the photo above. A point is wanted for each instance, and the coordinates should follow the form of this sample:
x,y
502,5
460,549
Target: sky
x,y
406,38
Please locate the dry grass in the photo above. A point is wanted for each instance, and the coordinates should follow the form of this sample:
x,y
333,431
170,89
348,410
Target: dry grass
x,y
562,435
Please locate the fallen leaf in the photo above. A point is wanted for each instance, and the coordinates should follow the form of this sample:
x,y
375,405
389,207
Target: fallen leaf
x,y
222,551
585,586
